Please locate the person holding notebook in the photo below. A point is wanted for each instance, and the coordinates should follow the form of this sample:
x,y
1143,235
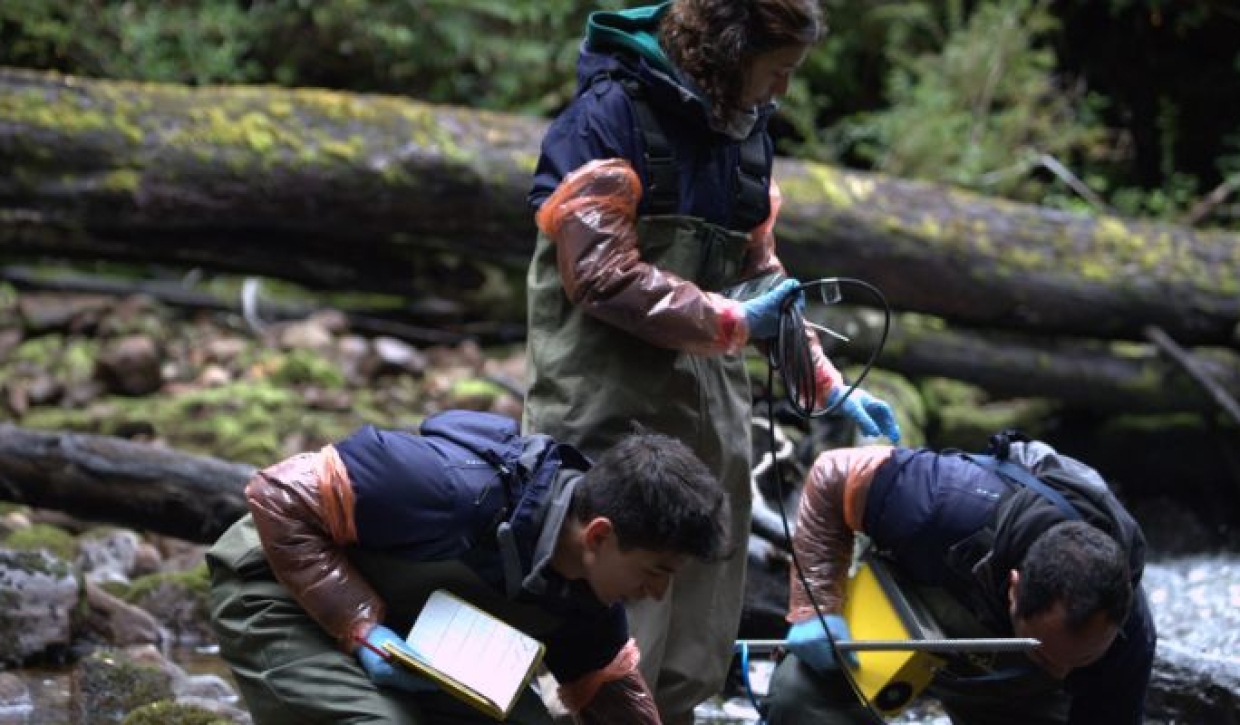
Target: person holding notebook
x,y
342,547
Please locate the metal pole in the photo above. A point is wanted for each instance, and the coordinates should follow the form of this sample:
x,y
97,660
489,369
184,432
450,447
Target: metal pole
x,y
998,644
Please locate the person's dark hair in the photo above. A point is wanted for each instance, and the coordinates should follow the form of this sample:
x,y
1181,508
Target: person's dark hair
x,y
712,41
658,495
1077,564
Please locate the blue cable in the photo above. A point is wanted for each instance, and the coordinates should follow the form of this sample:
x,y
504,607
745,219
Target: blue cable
x,y
743,648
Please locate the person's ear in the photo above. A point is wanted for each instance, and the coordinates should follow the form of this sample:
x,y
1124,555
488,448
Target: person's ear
x,y
1013,580
596,532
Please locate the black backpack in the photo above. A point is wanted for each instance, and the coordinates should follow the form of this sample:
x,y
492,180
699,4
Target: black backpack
x,y
485,486
525,468
1057,477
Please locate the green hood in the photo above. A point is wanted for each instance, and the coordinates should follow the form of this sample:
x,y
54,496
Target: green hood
x,y
634,30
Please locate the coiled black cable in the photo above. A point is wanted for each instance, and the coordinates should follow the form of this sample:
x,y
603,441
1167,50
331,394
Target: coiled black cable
x,y
792,356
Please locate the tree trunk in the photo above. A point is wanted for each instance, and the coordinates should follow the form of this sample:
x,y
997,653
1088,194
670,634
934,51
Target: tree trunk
x,y
100,478
1102,376
392,195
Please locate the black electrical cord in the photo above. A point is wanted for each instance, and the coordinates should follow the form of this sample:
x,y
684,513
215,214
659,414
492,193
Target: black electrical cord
x,y
792,356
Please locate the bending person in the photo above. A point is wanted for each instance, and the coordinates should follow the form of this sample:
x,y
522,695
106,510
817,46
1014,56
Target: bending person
x,y
342,546
988,558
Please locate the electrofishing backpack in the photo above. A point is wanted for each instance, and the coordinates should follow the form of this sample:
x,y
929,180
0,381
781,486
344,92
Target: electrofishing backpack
x,y
483,489
525,469
1057,477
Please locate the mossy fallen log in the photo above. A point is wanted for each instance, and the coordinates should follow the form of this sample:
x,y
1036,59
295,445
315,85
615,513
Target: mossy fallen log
x,y
113,480
388,194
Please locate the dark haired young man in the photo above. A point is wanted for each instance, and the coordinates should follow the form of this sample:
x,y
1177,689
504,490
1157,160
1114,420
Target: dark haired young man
x,y
342,546
988,558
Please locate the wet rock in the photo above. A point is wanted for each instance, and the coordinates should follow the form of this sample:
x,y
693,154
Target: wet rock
x,y
107,686
117,622
15,699
108,556
146,560
130,366
167,712
42,313
1192,687
214,376
178,601
310,334
397,356
38,593
14,521
9,340
1196,605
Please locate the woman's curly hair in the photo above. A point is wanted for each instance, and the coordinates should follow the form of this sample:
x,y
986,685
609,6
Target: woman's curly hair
x,y
713,41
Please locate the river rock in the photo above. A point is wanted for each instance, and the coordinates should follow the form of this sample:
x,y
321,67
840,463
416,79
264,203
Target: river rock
x,y
38,593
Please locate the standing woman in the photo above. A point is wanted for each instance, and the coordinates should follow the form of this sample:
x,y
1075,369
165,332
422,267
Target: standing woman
x,y
654,200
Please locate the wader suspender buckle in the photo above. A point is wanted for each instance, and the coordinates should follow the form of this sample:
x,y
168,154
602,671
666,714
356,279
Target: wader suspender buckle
x,y
751,206
505,539
663,189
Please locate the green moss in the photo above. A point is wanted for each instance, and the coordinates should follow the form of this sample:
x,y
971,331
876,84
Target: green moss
x,y
36,561
474,393
195,581
7,508
306,367
110,685
823,183
961,415
66,114
44,537
41,351
168,712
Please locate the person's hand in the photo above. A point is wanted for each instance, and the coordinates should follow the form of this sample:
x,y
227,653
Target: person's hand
x,y
385,673
762,312
810,644
873,416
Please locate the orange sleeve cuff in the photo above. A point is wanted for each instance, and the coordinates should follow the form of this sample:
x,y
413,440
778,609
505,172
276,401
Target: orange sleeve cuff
x,y
577,694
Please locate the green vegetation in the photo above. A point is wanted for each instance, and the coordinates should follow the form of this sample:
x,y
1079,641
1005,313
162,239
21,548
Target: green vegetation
x,y
44,537
1015,98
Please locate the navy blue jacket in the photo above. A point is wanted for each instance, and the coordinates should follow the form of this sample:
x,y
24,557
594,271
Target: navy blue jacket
x,y
601,122
425,498
921,504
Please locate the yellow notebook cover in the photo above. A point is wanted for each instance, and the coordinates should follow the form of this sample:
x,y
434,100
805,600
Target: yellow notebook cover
x,y
471,654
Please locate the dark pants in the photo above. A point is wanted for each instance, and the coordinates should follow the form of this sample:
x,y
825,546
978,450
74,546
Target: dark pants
x,y
289,670
801,696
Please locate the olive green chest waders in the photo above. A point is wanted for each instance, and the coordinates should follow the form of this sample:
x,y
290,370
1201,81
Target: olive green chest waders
x,y
590,381
291,672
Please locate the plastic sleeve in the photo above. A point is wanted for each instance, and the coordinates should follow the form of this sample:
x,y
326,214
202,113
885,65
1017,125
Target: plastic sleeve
x,y
760,256
826,376
616,693
592,219
303,511
832,508
760,260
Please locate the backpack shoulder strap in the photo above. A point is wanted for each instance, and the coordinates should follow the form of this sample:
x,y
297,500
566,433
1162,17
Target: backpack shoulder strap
x,y
663,185
752,203
1021,476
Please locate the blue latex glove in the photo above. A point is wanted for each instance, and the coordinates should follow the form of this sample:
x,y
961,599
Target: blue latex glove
x,y
388,674
809,642
762,312
872,415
